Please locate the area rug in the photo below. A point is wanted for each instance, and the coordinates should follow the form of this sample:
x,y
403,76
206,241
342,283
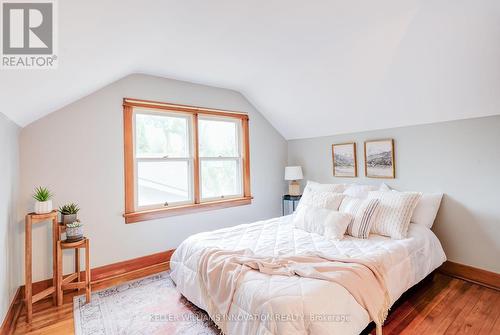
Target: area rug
x,y
150,305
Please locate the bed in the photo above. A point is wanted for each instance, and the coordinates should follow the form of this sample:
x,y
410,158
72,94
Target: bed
x,y
304,305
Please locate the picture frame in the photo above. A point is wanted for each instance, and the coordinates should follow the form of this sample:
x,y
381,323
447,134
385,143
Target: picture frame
x,y
345,163
379,159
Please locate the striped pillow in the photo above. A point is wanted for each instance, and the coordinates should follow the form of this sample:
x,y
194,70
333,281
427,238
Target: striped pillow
x,y
363,212
395,211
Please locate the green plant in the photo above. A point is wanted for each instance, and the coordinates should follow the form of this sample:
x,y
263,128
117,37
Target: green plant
x,y
74,224
69,209
42,194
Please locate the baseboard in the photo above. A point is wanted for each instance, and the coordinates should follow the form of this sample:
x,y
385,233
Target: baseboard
x,y
110,271
144,266
9,323
121,268
472,274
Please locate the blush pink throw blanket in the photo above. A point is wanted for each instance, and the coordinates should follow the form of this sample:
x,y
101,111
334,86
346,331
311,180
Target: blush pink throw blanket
x,y
220,272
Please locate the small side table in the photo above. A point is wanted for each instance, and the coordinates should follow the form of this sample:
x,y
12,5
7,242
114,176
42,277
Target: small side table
x,y
69,283
292,198
29,298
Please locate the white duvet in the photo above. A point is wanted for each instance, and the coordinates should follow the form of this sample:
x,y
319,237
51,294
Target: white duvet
x,y
265,304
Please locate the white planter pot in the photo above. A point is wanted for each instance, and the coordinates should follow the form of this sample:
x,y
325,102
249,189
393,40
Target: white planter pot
x,y
43,207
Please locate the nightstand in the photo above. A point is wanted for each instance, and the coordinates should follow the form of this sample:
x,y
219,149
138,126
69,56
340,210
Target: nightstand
x,y
293,198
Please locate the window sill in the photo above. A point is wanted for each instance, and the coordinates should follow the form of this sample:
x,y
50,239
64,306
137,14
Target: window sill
x,y
154,214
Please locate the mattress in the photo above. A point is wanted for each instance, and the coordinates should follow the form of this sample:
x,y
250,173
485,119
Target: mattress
x,y
265,304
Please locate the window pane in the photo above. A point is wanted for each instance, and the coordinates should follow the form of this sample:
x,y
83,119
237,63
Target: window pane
x,y
160,136
161,182
218,138
220,178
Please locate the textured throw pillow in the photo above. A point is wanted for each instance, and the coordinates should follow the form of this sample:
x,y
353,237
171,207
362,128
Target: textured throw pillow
x,y
335,188
384,187
329,223
320,199
394,213
359,191
363,212
321,196
426,210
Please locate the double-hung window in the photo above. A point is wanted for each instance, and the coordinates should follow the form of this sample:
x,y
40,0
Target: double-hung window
x,y
181,159
163,159
220,158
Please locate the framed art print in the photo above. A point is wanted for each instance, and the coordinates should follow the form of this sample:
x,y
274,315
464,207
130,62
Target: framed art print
x,y
344,160
379,159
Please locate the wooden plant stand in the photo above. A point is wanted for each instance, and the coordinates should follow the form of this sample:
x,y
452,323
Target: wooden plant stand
x,y
68,283
30,299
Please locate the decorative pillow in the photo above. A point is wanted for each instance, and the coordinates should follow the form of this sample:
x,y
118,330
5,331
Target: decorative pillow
x,y
359,191
319,199
395,211
329,223
426,210
335,188
314,194
363,212
384,187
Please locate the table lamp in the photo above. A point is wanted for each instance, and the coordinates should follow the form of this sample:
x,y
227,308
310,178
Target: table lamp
x,y
293,173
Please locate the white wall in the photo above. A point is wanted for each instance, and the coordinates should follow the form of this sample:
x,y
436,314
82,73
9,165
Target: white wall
x,y
10,232
458,158
78,153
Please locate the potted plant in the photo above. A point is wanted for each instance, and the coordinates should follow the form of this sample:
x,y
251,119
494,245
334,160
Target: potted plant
x,y
43,203
69,213
74,231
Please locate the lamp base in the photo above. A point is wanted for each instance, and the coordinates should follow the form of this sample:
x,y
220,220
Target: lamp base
x,y
294,188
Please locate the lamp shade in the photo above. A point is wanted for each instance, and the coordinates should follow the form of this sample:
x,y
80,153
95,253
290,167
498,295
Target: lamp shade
x,y
293,173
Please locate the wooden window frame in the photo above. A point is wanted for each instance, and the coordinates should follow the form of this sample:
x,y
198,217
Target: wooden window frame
x,y
132,215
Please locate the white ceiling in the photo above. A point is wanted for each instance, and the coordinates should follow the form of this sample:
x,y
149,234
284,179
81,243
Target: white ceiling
x,y
311,67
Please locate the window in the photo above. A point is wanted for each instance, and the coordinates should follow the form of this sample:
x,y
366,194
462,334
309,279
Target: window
x,y
220,158
163,159
181,159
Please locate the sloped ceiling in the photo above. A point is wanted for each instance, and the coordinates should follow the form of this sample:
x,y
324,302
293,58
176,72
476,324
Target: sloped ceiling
x,y
311,67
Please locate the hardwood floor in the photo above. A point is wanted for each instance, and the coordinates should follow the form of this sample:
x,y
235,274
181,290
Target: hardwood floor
x,y
447,306
444,305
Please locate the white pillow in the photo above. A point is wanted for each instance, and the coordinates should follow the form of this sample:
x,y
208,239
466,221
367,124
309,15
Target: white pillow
x,y
335,188
384,187
427,207
394,213
426,210
363,213
320,199
320,196
359,191
329,223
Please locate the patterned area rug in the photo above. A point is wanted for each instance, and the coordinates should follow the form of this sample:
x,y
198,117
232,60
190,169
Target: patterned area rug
x,y
150,305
